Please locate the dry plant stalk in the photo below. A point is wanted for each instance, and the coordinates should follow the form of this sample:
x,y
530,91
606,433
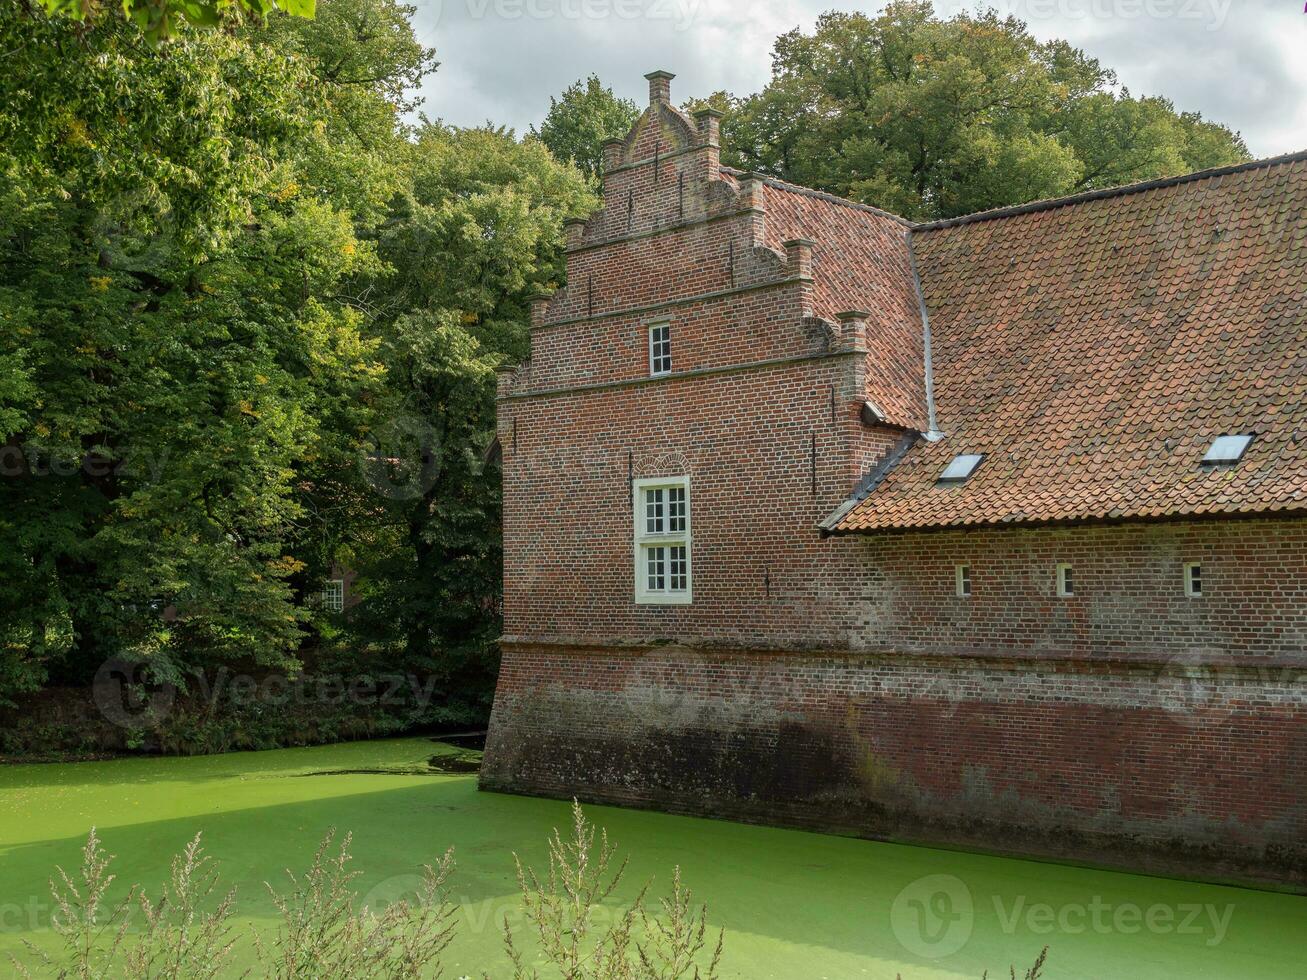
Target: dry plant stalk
x,y
563,908
84,920
179,940
323,935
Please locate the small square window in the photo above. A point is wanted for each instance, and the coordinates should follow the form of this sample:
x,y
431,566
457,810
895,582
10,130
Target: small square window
x,y
333,595
660,349
1193,580
961,467
1227,449
962,580
1066,583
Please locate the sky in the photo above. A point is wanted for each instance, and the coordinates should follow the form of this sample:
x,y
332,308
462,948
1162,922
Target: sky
x,y
1239,62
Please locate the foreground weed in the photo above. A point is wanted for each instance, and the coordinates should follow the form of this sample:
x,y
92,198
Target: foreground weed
x,y
323,935
91,929
177,939
562,909
180,940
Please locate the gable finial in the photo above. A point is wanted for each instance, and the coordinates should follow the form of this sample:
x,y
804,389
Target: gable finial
x,y
660,86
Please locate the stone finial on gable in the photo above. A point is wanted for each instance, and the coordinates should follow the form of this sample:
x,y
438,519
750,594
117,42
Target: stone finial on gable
x,y
853,329
660,86
539,302
798,257
709,121
613,150
574,228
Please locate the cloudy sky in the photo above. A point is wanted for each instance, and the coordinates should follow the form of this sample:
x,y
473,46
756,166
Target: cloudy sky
x,y
1241,62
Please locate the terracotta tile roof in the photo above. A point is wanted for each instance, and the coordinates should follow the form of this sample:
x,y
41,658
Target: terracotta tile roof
x,y
1093,348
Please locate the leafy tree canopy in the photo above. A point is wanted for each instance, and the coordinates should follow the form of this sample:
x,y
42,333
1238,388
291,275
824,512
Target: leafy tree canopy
x,y
933,118
579,121
181,344
163,19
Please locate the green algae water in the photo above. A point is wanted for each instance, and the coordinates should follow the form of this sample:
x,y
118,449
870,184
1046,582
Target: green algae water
x,y
793,904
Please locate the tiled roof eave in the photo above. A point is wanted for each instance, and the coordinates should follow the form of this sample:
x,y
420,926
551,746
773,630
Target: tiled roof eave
x,y
1016,521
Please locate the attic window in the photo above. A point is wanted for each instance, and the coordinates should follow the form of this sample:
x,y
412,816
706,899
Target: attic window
x,y
961,467
1227,449
872,414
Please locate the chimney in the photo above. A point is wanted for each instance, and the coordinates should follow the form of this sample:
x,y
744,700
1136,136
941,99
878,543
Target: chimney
x,y
660,86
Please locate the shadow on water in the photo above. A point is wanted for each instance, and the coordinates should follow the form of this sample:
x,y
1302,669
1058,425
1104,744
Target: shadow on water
x,y
441,764
463,740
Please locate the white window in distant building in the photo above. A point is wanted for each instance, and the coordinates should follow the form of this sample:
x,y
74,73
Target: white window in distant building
x,y
962,580
662,540
1193,580
1066,584
660,349
333,595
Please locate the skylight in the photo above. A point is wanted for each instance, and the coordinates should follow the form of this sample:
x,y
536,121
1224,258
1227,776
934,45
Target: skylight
x,y
1227,449
961,467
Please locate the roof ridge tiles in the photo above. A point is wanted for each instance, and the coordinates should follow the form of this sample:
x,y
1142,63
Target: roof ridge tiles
x,y
1048,204
1121,190
799,189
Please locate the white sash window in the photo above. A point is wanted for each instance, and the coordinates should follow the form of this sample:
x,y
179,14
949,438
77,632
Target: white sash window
x,y
662,540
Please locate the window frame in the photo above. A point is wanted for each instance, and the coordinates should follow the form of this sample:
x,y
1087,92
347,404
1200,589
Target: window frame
x,y
1065,580
333,592
962,580
650,329
643,539
1224,457
1189,568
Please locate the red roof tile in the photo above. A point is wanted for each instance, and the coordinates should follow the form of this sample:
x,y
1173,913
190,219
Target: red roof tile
x,y
860,262
1094,348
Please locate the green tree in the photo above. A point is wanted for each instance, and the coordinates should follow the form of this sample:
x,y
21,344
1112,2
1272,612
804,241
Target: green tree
x,y
168,296
476,234
163,19
932,118
579,122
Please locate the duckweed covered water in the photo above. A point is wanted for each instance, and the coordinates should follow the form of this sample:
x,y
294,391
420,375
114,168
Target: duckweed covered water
x,y
794,905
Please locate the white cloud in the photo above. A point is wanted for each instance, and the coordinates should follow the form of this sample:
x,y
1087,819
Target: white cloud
x,y
1239,62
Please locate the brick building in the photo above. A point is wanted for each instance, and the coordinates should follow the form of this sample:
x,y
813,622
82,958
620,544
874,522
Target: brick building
x,y
816,516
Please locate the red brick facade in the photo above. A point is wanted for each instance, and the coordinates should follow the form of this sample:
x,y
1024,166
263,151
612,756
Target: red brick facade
x,y
839,681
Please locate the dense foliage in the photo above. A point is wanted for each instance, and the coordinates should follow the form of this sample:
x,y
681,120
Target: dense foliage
x,y
933,118
250,325
581,119
162,19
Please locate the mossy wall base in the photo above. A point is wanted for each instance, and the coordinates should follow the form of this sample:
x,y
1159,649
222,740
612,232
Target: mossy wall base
x,y
1200,774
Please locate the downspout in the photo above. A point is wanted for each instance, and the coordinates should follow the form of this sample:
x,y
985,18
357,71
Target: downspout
x,y
932,433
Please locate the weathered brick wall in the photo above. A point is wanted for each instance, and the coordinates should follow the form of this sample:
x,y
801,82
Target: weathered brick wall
x,y
840,683
1150,767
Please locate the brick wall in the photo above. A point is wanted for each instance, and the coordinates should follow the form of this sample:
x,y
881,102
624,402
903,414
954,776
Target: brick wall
x,y
840,682
1151,767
